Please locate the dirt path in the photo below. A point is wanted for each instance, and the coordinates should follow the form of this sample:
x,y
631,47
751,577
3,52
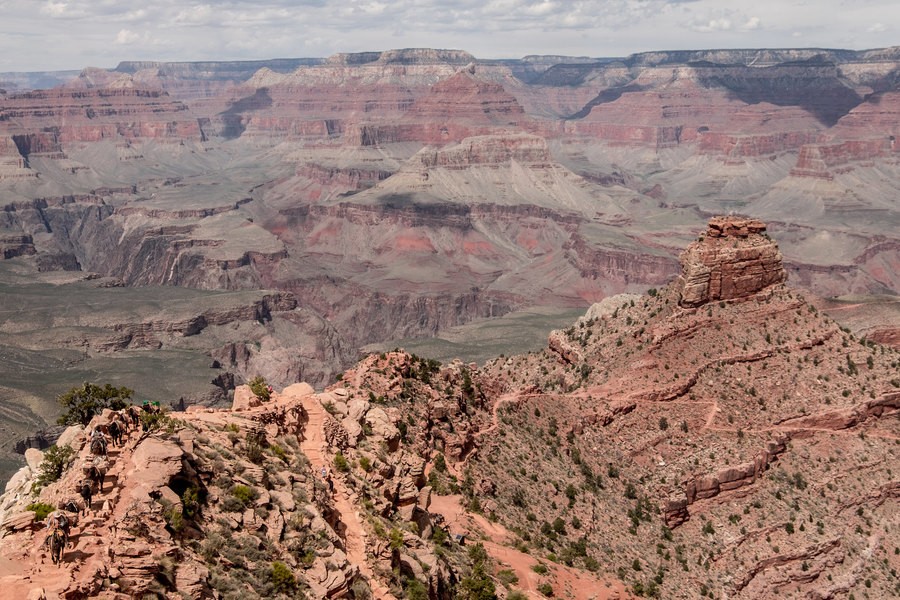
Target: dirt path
x,y
29,567
313,446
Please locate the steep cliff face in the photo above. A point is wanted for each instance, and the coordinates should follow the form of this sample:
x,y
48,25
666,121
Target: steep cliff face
x,y
734,260
93,114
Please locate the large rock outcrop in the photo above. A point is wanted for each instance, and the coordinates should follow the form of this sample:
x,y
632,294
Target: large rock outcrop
x,y
735,259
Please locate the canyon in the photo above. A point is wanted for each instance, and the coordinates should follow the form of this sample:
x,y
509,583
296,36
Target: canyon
x,y
719,436
402,194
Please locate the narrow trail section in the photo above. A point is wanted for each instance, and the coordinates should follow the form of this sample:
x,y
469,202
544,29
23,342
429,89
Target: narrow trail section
x,y
313,446
27,570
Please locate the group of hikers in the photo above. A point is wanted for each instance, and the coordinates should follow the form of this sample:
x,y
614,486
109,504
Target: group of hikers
x,y
58,522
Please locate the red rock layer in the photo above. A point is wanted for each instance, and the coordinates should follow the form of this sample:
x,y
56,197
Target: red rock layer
x,y
734,260
87,115
826,160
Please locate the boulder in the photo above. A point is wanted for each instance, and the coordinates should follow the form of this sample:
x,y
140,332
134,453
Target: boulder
x,y
284,499
17,521
155,463
192,580
357,409
383,429
70,436
244,399
34,458
298,390
354,430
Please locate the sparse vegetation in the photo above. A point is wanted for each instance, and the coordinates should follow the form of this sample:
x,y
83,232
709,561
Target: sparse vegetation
x,y
82,403
260,388
56,461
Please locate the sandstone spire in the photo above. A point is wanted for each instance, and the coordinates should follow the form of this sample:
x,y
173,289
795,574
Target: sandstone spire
x,y
734,259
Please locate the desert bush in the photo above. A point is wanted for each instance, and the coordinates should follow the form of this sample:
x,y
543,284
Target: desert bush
x,y
244,494
365,464
415,590
82,403
56,461
282,578
260,388
545,589
507,577
340,463
40,509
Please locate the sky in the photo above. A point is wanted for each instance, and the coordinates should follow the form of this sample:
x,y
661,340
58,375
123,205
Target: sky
x,y
41,35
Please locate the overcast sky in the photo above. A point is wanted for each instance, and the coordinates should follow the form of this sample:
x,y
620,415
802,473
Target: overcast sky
x,y
71,34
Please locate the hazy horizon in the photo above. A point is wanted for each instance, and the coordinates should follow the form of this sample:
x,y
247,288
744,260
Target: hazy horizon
x,y
65,35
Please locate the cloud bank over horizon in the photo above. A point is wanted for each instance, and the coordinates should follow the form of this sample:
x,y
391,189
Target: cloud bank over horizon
x,y
71,34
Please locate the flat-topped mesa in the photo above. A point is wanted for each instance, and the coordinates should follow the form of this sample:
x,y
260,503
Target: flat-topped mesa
x,y
735,259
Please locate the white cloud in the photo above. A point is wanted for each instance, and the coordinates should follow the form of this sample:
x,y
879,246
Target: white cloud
x,y
126,36
54,9
877,28
713,25
752,24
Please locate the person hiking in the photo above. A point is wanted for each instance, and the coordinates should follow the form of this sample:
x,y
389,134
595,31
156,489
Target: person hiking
x,y
98,442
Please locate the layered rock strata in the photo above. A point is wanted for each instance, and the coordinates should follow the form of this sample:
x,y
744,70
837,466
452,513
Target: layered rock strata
x,y
734,260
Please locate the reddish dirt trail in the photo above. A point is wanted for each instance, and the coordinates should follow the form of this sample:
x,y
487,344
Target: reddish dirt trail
x,y
313,446
29,567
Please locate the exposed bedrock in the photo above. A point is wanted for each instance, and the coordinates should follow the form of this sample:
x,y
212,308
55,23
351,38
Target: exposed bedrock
x,y
734,260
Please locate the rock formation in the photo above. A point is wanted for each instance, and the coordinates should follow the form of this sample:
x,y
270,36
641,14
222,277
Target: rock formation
x,y
735,259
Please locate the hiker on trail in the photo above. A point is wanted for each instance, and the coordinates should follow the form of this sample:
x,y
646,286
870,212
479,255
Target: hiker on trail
x,y
58,520
326,477
98,442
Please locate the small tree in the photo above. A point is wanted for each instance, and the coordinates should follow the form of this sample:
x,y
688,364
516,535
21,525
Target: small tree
x,y
260,388
83,402
56,460
283,580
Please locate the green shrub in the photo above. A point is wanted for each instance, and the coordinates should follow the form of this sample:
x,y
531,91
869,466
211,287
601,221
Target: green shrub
x,y
280,453
507,577
56,461
540,569
190,501
282,578
340,463
546,589
254,442
396,539
153,421
244,494
82,403
260,388
477,586
516,595
365,464
174,518
40,509
415,590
